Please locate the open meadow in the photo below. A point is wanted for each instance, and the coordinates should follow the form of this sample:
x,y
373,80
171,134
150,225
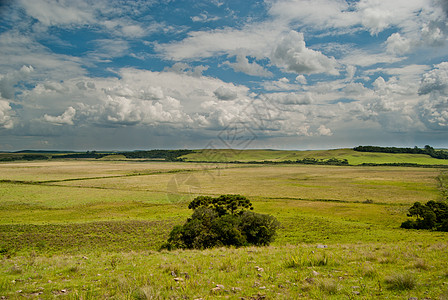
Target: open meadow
x,y
91,229
352,156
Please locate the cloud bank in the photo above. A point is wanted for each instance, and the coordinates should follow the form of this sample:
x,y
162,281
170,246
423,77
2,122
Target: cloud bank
x,y
293,73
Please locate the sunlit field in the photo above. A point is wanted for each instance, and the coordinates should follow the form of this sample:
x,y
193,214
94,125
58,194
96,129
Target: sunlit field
x,y
89,229
352,156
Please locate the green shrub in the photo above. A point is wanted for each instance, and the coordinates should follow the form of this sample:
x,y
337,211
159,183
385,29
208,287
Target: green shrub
x,y
222,221
227,230
409,224
259,229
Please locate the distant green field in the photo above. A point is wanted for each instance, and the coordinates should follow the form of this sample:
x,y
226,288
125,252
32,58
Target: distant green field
x,y
353,157
90,229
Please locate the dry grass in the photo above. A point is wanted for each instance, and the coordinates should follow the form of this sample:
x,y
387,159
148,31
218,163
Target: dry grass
x,y
352,156
72,169
93,237
355,184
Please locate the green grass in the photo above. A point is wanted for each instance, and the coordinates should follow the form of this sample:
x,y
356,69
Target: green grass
x,y
245,272
90,229
353,157
300,182
401,281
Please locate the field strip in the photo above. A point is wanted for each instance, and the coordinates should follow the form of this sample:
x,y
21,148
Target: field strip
x,y
204,169
329,200
43,182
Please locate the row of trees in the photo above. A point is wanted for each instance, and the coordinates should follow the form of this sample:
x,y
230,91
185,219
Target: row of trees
x,y
14,157
88,154
311,161
169,155
305,161
428,150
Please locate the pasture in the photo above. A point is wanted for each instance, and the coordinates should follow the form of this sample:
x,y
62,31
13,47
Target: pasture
x,y
353,157
89,229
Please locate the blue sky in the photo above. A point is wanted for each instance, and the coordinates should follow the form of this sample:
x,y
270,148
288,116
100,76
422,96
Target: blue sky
x,y
281,74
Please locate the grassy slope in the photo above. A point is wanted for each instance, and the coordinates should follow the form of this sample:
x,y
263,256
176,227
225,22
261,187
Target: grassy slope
x,y
88,231
364,271
352,156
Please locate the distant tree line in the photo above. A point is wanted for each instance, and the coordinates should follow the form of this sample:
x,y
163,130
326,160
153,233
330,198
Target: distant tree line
x,y
169,155
88,154
14,157
428,150
314,161
305,161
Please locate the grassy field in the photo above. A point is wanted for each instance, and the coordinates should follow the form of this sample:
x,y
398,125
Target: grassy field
x,y
353,157
89,229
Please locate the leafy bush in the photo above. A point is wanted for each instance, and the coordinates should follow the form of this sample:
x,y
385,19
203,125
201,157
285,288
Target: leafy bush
x,y
223,204
432,215
258,228
222,221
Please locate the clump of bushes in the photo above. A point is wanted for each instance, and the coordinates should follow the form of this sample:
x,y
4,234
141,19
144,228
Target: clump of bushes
x,y
226,220
432,215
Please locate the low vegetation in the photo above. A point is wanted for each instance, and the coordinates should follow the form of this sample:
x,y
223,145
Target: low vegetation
x,y
314,156
401,281
92,229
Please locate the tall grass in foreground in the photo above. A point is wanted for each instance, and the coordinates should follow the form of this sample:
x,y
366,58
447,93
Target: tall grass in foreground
x,y
401,281
282,272
311,260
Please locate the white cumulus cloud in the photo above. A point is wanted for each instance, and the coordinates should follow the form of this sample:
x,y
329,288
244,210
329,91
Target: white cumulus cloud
x,y
290,98
223,93
9,80
323,130
434,109
5,115
435,81
398,44
292,55
65,119
242,64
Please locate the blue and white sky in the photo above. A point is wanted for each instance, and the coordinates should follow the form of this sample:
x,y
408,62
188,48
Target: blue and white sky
x,y
281,74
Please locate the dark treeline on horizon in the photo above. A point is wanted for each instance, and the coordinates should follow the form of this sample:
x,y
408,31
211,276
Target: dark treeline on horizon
x,y
168,155
428,150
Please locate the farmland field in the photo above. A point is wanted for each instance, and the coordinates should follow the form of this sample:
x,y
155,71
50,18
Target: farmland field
x,y
353,157
89,229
